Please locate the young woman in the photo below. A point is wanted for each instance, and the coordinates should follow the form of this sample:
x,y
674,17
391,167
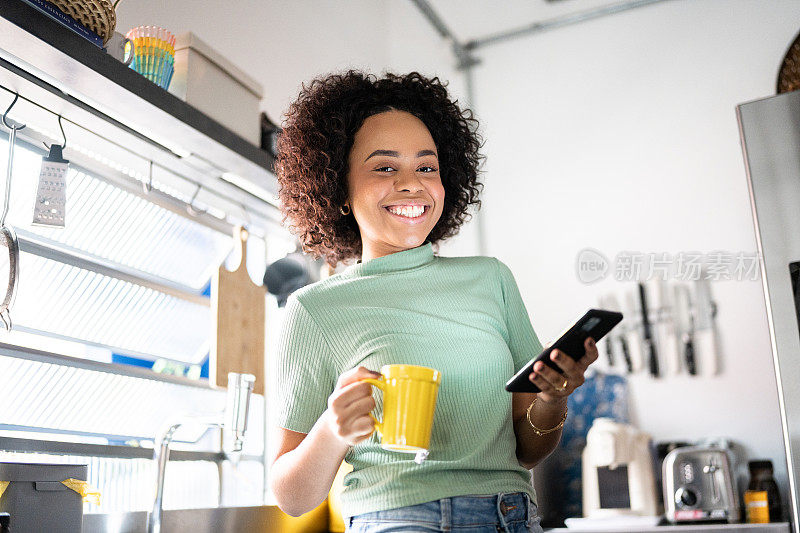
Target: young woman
x,y
380,170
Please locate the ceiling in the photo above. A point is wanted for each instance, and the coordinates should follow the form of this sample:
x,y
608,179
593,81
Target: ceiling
x,y
479,18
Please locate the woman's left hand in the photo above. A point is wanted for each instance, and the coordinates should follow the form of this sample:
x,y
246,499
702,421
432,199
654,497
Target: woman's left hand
x,y
556,386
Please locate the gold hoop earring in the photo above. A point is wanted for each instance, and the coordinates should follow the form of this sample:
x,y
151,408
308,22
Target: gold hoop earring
x,y
343,212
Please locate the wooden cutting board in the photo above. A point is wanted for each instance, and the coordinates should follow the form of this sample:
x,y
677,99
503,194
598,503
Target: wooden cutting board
x,y
237,305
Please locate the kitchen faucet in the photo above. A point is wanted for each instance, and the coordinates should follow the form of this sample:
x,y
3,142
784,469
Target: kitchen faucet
x,y
233,419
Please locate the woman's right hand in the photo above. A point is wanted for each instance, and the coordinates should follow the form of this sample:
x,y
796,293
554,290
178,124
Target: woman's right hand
x,y
349,406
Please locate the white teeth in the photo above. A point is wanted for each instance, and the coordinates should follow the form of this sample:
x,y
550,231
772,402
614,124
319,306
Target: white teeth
x,y
407,211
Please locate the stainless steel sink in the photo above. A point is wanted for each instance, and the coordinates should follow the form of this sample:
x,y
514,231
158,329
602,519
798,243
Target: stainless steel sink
x,y
265,518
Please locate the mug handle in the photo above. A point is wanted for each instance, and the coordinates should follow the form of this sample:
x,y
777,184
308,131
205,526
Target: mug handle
x,y
381,384
126,59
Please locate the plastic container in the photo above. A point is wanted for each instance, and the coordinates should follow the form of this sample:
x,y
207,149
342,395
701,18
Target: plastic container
x,y
38,501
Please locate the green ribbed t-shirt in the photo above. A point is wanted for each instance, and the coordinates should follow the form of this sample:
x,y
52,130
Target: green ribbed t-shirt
x,y
460,315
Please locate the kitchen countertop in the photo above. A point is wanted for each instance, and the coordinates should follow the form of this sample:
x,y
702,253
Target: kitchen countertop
x,y
779,527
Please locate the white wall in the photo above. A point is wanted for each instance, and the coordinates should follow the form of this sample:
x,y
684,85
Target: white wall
x,y
620,134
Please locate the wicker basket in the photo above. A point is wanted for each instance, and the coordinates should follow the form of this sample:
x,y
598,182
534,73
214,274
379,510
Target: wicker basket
x,y
97,15
789,75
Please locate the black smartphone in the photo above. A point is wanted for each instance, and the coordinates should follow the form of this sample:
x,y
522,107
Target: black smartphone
x,y
595,324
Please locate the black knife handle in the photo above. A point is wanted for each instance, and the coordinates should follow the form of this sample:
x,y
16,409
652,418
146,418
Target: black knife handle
x,y
653,359
609,352
626,354
689,354
645,316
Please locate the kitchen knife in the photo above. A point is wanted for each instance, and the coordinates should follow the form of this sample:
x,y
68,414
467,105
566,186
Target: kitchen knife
x,y
704,335
613,305
608,344
664,325
626,353
685,321
647,333
632,335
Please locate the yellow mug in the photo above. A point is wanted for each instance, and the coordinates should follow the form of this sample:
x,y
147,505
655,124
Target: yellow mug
x,y
409,401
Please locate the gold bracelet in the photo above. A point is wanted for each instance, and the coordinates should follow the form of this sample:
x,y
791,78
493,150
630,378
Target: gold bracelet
x,y
540,432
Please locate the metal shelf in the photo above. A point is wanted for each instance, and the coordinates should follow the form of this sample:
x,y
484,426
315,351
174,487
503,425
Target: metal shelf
x,y
60,71
79,64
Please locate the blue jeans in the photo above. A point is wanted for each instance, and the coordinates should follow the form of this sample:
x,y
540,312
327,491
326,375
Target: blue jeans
x,y
510,513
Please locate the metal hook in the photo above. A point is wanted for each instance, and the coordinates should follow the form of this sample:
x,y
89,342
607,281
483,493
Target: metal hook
x,y
9,126
247,218
190,206
148,186
64,135
12,139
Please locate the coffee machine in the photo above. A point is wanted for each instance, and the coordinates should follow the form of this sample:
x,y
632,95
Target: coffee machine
x,y
699,485
618,473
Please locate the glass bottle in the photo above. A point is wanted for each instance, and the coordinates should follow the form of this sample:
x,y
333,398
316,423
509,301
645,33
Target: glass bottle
x,y
762,499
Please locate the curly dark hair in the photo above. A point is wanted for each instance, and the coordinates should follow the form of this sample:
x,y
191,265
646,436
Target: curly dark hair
x,y
318,134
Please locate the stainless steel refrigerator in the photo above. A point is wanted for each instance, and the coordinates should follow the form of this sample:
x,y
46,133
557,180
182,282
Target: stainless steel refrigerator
x,y
770,134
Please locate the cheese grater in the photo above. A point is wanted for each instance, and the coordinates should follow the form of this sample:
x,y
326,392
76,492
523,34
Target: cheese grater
x,y
51,194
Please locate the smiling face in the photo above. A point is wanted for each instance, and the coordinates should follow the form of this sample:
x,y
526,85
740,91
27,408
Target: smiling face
x,y
395,190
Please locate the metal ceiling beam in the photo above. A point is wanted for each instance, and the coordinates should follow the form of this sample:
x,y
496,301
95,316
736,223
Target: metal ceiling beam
x,y
465,58
466,62
558,22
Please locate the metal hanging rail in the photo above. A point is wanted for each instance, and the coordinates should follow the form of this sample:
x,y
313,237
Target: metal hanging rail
x,y
558,22
42,247
221,225
13,444
46,248
32,140
41,356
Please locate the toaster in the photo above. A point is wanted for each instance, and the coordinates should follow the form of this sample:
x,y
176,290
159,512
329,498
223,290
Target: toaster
x,y
699,485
